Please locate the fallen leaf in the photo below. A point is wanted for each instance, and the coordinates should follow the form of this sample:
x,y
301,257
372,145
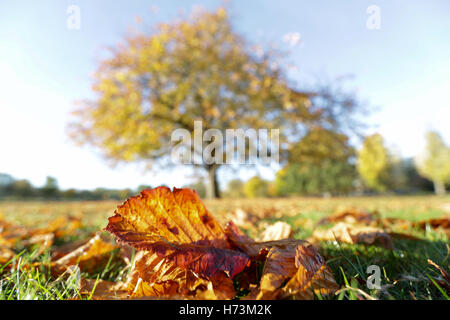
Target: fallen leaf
x,y
295,272
103,290
277,231
89,256
44,241
6,254
352,234
439,223
184,252
186,248
443,272
351,216
159,213
156,276
313,276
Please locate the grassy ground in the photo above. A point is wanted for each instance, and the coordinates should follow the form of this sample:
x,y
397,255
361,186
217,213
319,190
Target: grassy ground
x,y
405,272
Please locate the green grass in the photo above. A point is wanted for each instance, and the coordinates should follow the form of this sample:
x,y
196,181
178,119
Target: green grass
x,y
405,274
21,279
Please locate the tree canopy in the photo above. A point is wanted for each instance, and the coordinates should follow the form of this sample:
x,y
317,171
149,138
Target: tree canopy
x,y
195,68
373,162
319,163
434,162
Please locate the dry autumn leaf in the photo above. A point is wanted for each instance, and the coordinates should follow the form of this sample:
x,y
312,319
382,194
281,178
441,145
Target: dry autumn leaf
x,y
344,232
186,247
295,271
184,252
351,216
6,254
102,290
277,231
443,272
156,276
439,223
156,214
89,256
11,234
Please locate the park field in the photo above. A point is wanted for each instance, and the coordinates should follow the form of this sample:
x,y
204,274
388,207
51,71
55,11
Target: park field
x,y
414,264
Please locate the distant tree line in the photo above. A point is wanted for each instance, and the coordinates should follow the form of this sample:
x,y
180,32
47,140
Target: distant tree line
x,y
323,163
21,189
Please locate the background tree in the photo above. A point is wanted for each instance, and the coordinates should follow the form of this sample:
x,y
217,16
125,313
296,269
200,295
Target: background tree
x,y
403,177
373,162
322,162
23,188
50,188
192,69
198,186
256,187
234,189
434,162
196,68
6,182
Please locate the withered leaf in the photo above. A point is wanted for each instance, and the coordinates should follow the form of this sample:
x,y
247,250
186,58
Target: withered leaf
x,y
352,234
103,290
350,216
297,271
156,276
159,213
184,252
438,223
443,272
186,248
205,261
240,241
277,231
6,254
89,256
313,276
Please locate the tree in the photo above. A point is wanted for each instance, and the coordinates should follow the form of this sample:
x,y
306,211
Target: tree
x,y
143,187
50,189
256,188
403,176
194,69
199,187
235,189
6,182
434,162
22,188
320,163
373,162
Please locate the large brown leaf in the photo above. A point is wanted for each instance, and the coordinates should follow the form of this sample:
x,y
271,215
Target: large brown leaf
x,y
184,251
156,276
156,214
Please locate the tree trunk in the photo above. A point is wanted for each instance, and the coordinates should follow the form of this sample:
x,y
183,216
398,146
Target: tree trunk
x,y
212,187
439,187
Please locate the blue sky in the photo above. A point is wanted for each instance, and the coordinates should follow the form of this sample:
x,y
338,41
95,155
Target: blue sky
x,y
403,68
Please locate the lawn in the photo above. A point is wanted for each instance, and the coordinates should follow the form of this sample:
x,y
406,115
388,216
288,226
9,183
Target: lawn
x,y
405,269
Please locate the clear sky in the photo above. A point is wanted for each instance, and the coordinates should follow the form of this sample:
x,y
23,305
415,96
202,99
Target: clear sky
x,y
403,68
